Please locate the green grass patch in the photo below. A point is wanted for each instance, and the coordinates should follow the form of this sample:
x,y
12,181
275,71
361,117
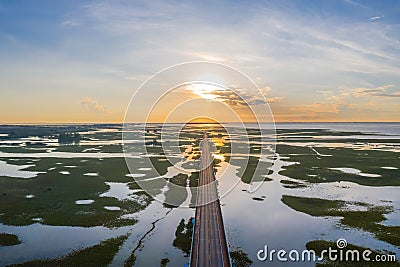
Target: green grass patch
x,y
18,149
292,184
99,255
254,170
9,239
183,236
177,194
241,258
164,262
55,194
316,169
368,220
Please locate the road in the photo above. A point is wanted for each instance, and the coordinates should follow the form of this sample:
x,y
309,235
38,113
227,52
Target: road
x,y
209,246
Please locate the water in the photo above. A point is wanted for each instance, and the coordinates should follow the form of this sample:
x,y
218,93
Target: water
x,y
41,241
379,128
84,201
250,224
119,191
356,172
16,171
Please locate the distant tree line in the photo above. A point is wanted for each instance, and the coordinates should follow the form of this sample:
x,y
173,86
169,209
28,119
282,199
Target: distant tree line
x,y
51,131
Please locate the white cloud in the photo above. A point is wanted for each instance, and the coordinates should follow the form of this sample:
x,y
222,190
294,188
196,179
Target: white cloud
x,y
376,18
93,105
295,51
377,91
274,99
71,23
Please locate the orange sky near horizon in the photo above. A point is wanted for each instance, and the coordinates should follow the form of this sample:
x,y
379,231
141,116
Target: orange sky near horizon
x,y
361,108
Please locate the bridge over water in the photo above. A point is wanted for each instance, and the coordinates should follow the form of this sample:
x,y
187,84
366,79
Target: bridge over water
x,y
209,245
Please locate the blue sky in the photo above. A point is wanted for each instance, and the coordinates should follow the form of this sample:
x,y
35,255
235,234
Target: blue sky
x,y
77,61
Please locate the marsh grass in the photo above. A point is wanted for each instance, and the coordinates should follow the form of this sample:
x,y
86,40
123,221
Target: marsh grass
x,y
368,161
241,258
183,236
7,239
368,220
292,184
98,255
55,194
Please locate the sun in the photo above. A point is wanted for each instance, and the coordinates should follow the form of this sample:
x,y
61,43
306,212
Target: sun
x,y
203,120
206,90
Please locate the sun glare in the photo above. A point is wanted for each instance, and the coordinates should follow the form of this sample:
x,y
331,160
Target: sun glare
x,y
206,91
218,156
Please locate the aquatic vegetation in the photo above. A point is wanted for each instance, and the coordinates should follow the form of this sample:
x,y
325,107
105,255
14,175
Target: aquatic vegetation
x,y
292,184
254,169
55,194
7,239
160,166
164,262
24,131
240,258
316,169
97,255
368,220
50,198
183,236
177,194
69,138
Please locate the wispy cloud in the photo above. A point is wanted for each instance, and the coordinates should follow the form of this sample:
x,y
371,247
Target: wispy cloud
x,y
356,4
376,18
396,94
275,99
91,104
234,96
346,104
71,23
324,92
314,57
377,91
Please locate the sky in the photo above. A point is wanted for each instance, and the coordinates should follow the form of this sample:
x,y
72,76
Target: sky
x,y
82,61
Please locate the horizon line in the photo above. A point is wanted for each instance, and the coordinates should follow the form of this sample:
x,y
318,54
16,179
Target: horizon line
x,y
121,123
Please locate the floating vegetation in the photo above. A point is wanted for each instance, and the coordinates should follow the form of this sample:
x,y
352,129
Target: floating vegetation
x,y
183,236
240,258
164,262
292,184
7,239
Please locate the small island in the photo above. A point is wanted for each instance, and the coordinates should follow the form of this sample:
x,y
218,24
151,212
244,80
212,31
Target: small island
x,y
9,239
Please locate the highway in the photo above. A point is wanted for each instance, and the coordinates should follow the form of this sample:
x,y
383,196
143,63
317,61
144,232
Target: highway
x,y
209,246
